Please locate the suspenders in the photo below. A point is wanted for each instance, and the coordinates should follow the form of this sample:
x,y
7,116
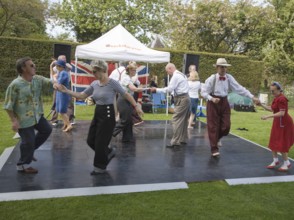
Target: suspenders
x,y
214,81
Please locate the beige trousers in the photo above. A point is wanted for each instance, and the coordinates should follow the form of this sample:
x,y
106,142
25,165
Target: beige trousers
x,y
180,119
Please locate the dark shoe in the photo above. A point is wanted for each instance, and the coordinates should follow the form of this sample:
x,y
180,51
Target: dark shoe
x,y
183,143
28,170
172,145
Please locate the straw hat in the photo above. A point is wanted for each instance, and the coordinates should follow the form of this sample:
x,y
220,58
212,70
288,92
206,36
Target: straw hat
x,y
221,62
193,76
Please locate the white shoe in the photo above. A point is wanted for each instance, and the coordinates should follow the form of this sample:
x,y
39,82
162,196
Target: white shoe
x,y
284,167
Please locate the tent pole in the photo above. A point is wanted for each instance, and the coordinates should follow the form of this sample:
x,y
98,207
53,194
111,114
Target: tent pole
x,y
167,96
75,88
146,75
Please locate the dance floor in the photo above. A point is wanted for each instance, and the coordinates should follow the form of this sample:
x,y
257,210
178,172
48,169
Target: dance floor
x,y
65,160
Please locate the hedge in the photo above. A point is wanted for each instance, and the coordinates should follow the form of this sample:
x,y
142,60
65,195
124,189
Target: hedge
x,y
247,72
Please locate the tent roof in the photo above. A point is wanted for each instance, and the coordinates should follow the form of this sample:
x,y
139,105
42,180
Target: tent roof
x,y
119,45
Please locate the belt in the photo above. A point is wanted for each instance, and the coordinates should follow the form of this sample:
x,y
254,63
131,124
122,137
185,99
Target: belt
x,y
183,94
220,97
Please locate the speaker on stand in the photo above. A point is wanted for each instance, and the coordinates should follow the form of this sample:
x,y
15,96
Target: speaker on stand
x,y
190,59
62,49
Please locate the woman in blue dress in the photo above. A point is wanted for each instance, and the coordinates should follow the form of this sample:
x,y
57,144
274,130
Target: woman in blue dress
x,y
62,99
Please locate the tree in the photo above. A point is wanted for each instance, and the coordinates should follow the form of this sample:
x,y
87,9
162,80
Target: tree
x,y
219,26
90,19
21,18
279,51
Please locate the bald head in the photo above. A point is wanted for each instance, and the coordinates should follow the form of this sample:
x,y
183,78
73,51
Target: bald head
x,y
170,68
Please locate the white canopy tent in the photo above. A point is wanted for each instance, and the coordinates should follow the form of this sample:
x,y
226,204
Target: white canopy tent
x,y
119,45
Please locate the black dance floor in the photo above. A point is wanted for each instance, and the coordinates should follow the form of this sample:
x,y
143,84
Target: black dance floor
x,y
65,160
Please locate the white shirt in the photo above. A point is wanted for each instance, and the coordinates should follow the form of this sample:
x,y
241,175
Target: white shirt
x,y
178,84
194,87
222,87
125,82
117,73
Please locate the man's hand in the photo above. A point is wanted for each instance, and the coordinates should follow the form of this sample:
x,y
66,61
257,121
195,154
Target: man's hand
x,y
15,125
215,100
153,89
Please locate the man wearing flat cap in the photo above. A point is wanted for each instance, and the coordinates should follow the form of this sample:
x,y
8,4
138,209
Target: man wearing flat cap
x,y
216,90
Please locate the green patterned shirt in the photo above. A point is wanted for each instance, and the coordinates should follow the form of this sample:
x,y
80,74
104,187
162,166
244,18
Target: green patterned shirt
x,y
25,100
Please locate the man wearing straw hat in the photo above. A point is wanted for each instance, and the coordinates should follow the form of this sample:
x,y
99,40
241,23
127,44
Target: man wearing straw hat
x,y
216,90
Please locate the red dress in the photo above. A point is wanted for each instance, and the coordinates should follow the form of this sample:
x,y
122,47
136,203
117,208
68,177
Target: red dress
x,y
282,134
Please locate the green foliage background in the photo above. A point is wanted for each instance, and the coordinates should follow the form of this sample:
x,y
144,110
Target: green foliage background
x,y
246,71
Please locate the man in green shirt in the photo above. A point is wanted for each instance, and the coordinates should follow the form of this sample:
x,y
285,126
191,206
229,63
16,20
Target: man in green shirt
x,y
23,103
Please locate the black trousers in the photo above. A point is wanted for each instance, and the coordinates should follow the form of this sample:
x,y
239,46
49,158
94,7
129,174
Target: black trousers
x,y
30,141
100,134
125,124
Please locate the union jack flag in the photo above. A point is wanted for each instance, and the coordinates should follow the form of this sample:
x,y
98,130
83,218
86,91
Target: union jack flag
x,y
84,75
143,73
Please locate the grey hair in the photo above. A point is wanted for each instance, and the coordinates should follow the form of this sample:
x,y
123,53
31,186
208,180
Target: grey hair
x,y
20,63
100,64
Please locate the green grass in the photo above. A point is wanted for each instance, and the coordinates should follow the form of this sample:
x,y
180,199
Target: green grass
x,y
207,200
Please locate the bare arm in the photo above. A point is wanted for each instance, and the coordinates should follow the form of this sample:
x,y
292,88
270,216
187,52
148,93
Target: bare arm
x,y
268,108
78,95
276,115
13,119
135,89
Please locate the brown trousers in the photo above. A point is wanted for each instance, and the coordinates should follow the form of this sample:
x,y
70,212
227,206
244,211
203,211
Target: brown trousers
x,y
218,121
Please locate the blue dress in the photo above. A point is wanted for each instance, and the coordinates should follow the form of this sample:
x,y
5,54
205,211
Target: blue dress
x,y
62,99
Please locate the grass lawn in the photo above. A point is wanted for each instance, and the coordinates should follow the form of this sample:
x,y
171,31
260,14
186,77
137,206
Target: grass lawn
x,y
209,200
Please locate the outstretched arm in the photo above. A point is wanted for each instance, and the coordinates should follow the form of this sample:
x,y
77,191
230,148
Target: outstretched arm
x,y
78,95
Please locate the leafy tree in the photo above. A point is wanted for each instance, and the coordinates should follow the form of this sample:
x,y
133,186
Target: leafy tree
x,y
279,51
90,19
21,18
219,26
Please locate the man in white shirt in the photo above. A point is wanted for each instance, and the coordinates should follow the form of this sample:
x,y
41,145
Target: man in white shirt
x,y
215,90
179,86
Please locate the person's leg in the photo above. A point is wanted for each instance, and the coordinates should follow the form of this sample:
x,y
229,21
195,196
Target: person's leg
x,y
43,132
213,125
225,119
180,120
104,128
275,160
125,123
192,112
286,165
27,145
67,126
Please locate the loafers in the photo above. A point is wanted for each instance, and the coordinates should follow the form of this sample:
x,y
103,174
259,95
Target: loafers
x,y
28,170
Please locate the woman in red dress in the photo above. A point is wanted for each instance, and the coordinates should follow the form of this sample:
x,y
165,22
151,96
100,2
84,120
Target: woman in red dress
x,y
282,133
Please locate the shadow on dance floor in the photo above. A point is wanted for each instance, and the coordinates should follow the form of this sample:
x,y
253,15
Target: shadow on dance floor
x,y
65,160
